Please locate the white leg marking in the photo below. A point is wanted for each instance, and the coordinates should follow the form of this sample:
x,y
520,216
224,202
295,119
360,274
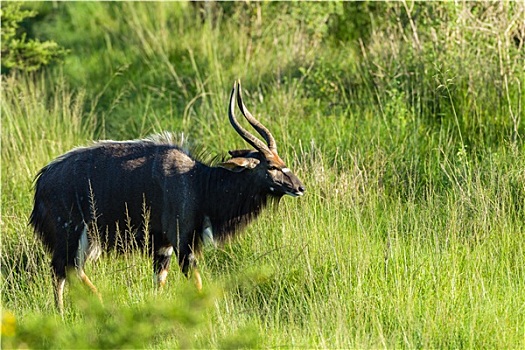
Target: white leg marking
x,y
166,251
86,250
161,277
207,233
60,294
83,248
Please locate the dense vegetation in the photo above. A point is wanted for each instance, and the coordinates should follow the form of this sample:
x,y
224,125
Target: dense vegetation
x,y
405,121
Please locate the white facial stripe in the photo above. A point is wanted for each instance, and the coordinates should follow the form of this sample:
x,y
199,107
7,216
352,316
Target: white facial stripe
x,y
286,170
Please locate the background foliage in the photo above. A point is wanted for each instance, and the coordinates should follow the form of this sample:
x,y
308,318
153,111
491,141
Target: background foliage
x,y
404,120
19,53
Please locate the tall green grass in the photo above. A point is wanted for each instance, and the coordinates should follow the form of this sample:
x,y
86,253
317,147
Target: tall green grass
x,y
408,138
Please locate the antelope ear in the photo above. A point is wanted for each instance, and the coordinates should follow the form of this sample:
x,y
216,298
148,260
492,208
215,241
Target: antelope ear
x,y
239,164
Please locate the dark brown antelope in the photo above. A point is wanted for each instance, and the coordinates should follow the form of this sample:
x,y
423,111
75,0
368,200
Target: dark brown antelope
x,y
85,197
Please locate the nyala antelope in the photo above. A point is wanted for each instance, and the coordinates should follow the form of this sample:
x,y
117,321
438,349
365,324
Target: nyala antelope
x,y
187,201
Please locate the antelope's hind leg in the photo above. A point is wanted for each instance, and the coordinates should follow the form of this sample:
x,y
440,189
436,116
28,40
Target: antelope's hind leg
x,y
58,268
62,261
86,250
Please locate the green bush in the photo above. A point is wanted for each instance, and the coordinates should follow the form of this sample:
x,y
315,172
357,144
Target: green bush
x,y
110,326
19,52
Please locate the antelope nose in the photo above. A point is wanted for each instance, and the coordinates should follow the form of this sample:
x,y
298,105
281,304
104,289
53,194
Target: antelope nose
x,y
301,189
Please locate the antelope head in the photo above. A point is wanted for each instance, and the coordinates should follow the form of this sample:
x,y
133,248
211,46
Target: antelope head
x,y
264,161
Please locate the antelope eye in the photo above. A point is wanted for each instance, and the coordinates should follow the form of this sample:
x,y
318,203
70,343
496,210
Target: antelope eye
x,y
272,168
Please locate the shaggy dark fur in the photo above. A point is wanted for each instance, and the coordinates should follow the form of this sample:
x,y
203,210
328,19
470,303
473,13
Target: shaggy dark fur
x,y
152,193
110,185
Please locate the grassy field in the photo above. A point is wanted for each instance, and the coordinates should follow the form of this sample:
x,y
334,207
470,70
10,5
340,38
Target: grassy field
x,y
405,122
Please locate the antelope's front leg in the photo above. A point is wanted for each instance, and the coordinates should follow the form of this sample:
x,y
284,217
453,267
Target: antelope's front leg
x,y
196,275
161,263
188,265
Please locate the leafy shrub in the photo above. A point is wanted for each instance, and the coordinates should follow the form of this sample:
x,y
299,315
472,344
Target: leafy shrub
x,y
108,327
19,52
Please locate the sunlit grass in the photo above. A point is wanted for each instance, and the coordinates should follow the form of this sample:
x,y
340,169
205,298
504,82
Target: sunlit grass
x,y
411,230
